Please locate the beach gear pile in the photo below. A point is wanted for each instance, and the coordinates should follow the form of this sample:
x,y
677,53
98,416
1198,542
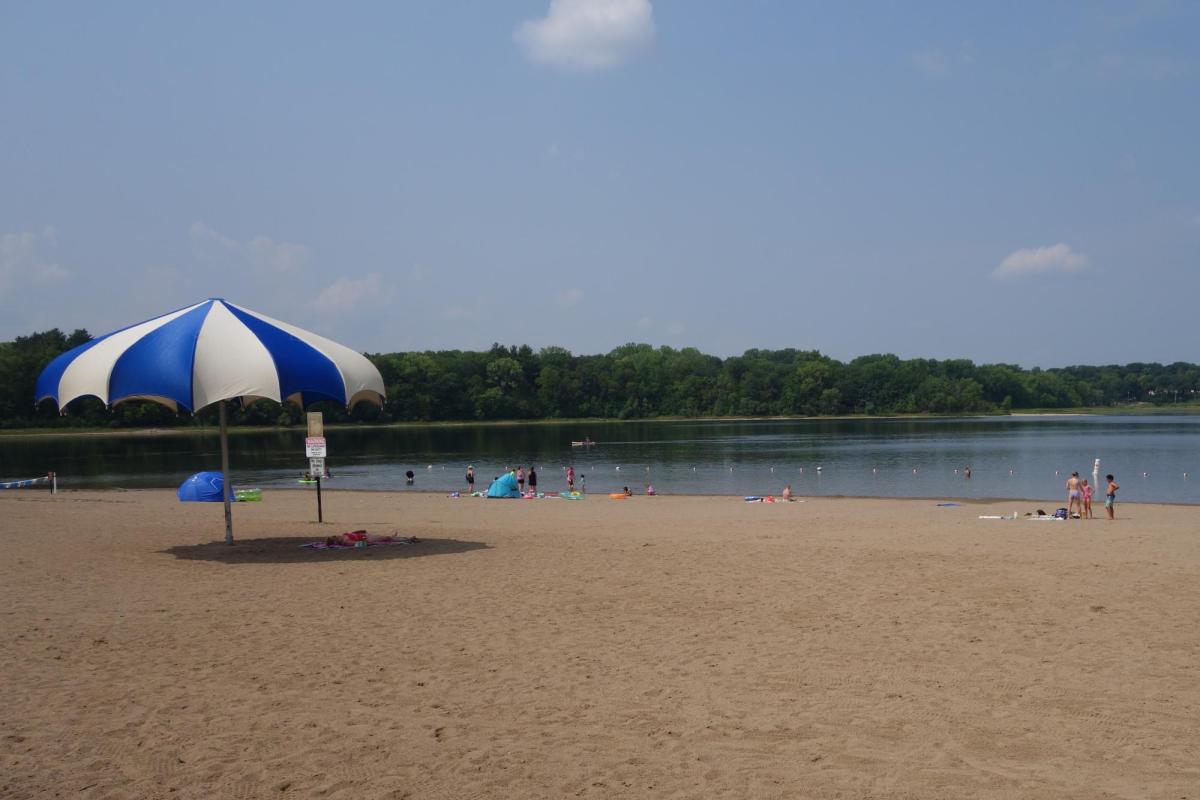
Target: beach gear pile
x,y
506,493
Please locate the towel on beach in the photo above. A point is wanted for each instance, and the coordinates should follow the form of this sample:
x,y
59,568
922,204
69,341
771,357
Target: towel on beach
x,y
323,546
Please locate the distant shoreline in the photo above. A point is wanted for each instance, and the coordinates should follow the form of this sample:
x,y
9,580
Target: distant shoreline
x,y
1121,411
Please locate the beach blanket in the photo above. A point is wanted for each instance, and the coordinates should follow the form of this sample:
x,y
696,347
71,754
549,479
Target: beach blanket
x,y
321,545
754,498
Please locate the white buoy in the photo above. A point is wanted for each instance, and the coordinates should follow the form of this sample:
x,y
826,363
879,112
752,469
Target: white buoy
x,y
1143,474
874,469
820,468
1010,472
429,467
618,467
914,470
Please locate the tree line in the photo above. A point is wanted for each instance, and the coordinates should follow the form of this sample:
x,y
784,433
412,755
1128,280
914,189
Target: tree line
x,y
636,381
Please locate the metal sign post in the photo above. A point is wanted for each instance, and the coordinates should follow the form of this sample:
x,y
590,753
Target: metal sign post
x,y
320,518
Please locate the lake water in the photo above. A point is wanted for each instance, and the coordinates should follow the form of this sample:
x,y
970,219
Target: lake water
x,y
1014,457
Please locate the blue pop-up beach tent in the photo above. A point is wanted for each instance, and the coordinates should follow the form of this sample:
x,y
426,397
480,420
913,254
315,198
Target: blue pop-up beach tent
x,y
203,487
504,486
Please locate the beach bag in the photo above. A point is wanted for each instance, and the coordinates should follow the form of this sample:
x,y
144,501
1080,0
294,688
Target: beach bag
x,y
1060,513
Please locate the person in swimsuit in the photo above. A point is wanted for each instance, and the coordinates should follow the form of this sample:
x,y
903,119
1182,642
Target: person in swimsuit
x,y
351,538
1087,499
570,479
521,478
471,478
1110,495
1074,495
786,494
532,479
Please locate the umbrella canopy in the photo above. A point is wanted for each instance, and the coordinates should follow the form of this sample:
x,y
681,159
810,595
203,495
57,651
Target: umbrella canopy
x,y
208,353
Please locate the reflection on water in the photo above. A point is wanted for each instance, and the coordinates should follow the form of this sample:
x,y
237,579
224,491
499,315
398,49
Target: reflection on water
x,y
1008,456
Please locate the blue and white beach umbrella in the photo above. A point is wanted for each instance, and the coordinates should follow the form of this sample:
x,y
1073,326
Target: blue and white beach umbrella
x,y
208,353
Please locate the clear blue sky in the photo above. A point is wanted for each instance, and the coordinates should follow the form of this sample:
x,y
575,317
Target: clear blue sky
x,y
1016,182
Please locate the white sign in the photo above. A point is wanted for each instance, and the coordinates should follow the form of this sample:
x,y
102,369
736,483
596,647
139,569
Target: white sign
x,y
316,467
314,447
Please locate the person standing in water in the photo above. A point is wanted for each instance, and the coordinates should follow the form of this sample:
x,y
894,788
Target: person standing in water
x,y
471,479
570,479
532,479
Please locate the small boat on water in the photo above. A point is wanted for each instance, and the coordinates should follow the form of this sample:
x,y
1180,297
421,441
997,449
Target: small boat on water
x,y
584,443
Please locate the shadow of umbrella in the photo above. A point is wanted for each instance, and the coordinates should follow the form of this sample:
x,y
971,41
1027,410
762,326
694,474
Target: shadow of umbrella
x,y
288,550
207,353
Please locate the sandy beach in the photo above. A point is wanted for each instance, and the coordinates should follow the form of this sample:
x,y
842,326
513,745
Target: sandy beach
x,y
660,647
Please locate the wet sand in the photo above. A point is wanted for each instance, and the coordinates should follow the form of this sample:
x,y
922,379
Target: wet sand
x,y
653,647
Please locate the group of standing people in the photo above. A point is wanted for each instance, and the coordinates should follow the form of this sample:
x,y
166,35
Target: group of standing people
x,y
531,477
1079,497
522,476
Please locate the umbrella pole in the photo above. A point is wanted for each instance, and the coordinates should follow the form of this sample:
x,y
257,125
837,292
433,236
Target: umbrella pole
x,y
225,487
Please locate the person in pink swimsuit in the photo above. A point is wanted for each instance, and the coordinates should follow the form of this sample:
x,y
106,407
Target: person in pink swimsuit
x,y
1087,499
